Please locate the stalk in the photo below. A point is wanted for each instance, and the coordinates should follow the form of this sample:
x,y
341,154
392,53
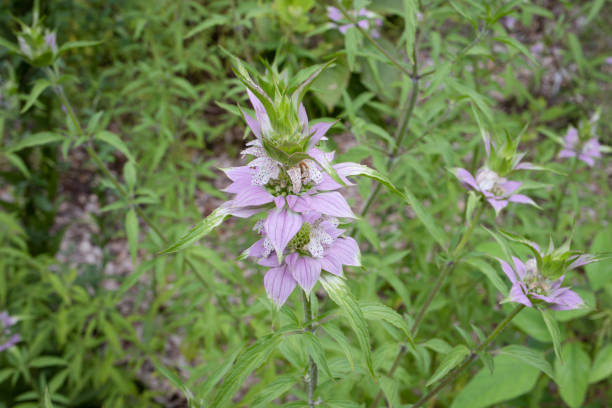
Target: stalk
x,y
466,363
313,373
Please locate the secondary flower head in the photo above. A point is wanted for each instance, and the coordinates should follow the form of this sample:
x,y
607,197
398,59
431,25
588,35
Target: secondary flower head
x,y
490,180
37,44
367,20
295,184
7,337
538,281
587,151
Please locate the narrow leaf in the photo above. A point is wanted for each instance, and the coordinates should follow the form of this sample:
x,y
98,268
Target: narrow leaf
x,y
131,229
205,226
529,356
553,329
426,219
39,86
115,141
37,139
451,360
378,311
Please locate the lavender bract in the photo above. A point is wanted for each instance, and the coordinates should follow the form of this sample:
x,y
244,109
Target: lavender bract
x,y
364,19
7,337
587,152
300,234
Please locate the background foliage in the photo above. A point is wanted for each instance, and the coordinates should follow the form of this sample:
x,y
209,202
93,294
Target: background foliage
x,y
105,321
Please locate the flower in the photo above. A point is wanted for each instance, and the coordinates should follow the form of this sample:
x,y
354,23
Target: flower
x,y
530,286
588,152
300,234
7,338
364,18
497,190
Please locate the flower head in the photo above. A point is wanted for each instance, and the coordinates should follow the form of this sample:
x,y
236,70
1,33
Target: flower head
x,y
586,152
7,337
295,184
490,180
367,20
37,44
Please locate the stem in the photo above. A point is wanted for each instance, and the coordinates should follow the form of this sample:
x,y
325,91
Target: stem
x,y
453,374
313,374
559,202
448,268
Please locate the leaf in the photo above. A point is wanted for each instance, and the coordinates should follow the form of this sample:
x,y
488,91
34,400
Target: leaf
x,y
248,361
216,375
217,19
553,329
115,141
205,226
356,169
572,374
352,38
426,219
410,23
131,229
17,162
599,273
478,99
47,399
37,139
489,272
274,390
451,360
9,45
313,347
174,379
47,361
339,337
529,356
378,311
339,293
39,86
513,42
77,44
510,379
602,365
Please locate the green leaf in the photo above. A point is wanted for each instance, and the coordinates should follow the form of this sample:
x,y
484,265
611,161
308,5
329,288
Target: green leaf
x,y
17,162
131,229
478,99
513,42
274,390
572,374
115,141
77,44
451,360
529,356
248,361
599,273
553,329
378,311
205,226
47,399
410,23
510,379
216,375
39,86
37,139
352,38
9,45
426,219
339,293
602,365
174,379
339,337
217,19
313,347
489,271
47,361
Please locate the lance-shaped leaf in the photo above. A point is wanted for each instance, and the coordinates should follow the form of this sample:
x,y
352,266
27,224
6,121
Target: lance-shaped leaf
x,y
39,86
37,139
426,219
553,329
174,379
378,311
205,226
530,356
338,292
248,361
313,347
450,361
298,94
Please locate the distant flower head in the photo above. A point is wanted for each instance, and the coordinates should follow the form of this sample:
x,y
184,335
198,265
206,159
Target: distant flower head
x,y
366,20
496,189
608,60
7,337
586,152
37,44
530,286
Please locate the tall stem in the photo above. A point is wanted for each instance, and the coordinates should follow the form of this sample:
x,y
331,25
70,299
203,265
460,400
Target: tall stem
x,y
446,270
454,373
562,193
313,375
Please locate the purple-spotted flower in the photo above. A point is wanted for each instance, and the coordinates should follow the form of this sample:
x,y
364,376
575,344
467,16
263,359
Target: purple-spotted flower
x,y
288,178
587,152
530,286
366,20
7,337
490,180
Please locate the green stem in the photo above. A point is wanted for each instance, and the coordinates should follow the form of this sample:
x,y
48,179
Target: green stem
x,y
454,373
562,194
448,268
313,374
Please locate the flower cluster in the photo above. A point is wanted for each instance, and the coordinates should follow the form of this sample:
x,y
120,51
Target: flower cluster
x,y
7,337
365,19
586,152
538,281
287,179
37,44
496,189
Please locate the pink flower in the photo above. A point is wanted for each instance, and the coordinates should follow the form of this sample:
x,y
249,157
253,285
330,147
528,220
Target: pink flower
x,y
7,338
587,153
530,287
364,18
